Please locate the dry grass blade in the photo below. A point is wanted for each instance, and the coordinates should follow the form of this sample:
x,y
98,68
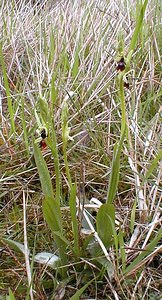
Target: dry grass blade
x,y
52,51
27,260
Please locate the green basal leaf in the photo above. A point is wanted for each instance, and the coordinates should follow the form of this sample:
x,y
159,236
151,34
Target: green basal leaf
x,y
43,172
51,205
16,245
11,295
107,266
105,214
51,212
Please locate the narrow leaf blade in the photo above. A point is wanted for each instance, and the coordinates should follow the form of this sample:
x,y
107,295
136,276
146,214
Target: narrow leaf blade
x,y
43,172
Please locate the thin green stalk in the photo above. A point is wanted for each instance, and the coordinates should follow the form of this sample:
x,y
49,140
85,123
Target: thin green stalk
x,y
65,138
8,94
122,98
24,126
66,164
53,142
54,149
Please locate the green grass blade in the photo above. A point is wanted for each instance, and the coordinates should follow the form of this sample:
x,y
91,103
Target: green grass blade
x,y
154,164
73,211
52,47
114,177
149,248
133,214
65,138
75,68
77,295
122,250
8,94
138,27
24,126
53,146
53,95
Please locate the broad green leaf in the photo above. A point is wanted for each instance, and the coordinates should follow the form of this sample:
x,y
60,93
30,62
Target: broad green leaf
x,y
43,172
51,205
105,214
51,212
44,110
11,295
16,245
106,266
62,238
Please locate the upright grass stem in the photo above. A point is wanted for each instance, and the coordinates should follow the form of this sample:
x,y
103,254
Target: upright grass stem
x,y
8,94
53,146
65,138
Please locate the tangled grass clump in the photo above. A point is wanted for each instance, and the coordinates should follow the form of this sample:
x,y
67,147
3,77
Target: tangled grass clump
x,y
80,150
